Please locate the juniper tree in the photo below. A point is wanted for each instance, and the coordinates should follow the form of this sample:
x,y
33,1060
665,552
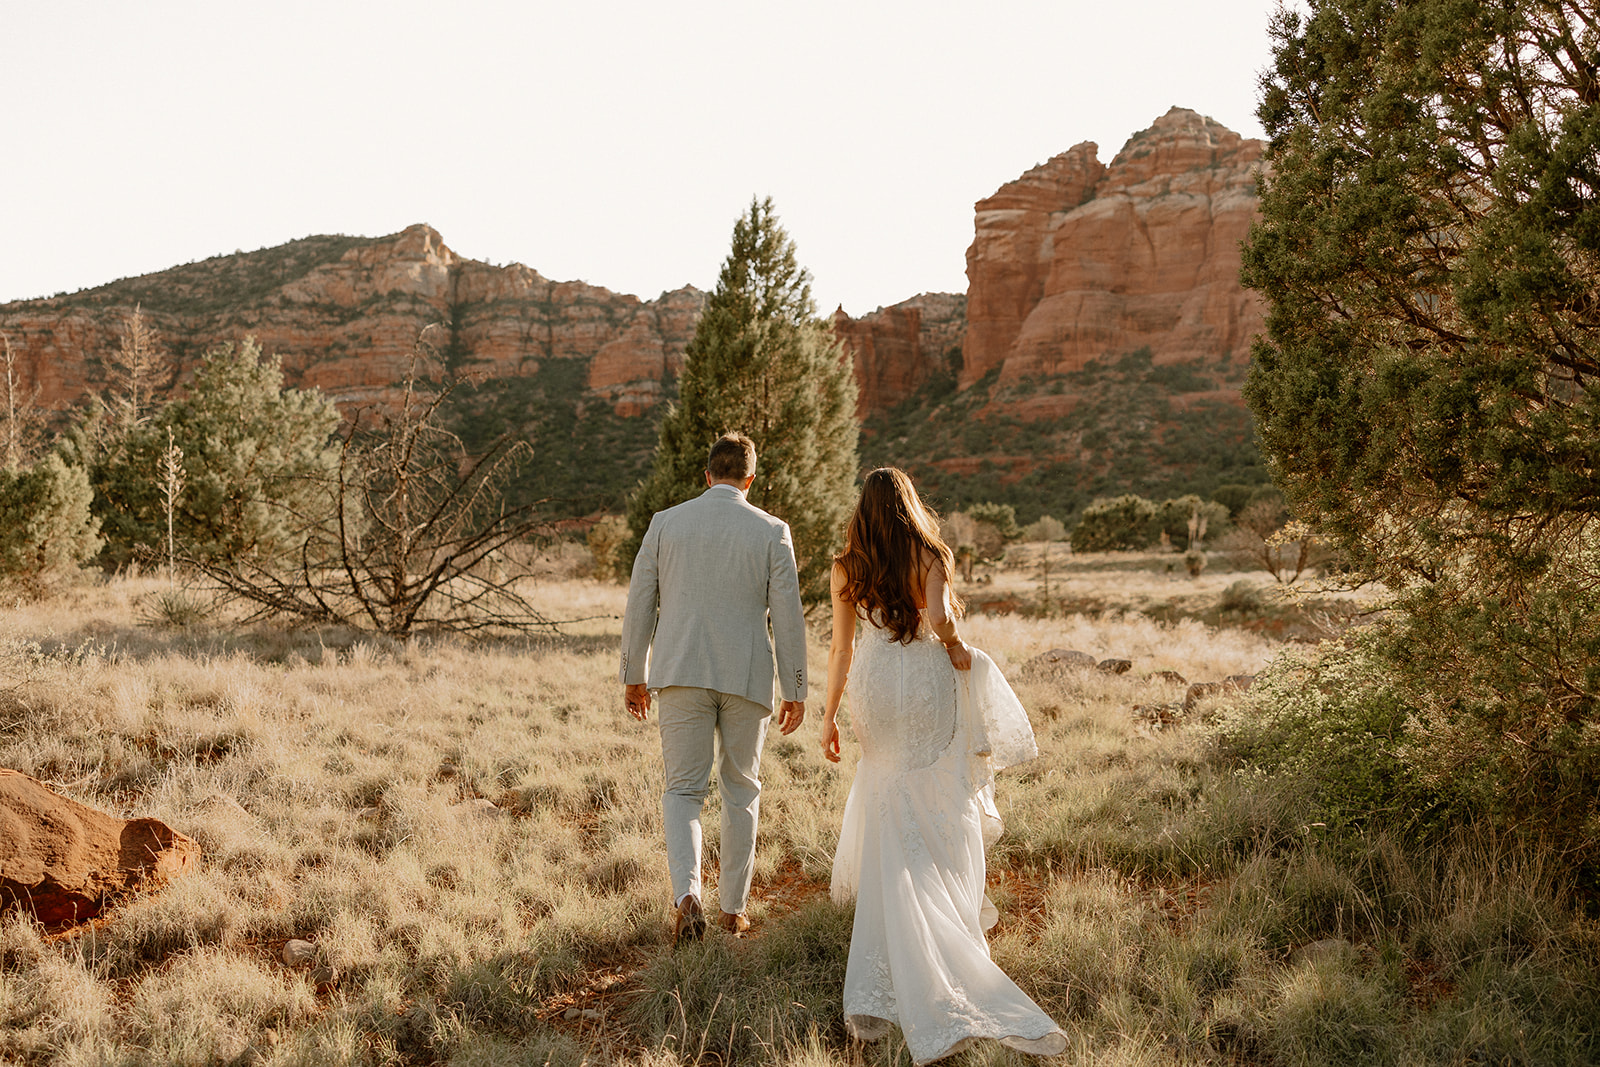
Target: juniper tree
x,y
46,529
1428,392
761,362
257,466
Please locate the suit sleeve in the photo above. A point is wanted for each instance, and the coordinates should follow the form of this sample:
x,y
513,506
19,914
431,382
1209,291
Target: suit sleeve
x,y
644,602
788,619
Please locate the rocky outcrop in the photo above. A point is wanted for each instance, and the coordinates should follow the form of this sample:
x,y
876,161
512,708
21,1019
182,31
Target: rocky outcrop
x,y
896,349
343,314
1075,261
63,862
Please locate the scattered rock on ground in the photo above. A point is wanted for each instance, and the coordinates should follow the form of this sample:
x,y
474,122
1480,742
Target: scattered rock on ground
x,y
480,806
1115,666
1170,677
1158,716
324,977
63,862
297,953
1239,682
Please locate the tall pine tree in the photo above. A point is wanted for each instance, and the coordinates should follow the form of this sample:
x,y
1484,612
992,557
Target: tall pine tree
x,y
762,363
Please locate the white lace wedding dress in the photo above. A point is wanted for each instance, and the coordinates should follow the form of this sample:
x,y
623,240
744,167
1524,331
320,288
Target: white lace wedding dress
x,y
911,852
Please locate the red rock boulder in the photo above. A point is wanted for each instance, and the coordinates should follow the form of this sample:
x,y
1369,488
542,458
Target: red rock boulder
x,y
64,862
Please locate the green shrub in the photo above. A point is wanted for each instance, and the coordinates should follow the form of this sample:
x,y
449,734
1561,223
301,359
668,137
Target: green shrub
x,y
604,539
46,529
257,462
1123,522
1003,517
1045,528
1241,598
1176,513
1329,724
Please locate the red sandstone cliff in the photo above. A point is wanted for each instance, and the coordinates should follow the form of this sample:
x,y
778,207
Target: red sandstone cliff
x,y
344,314
1074,260
897,348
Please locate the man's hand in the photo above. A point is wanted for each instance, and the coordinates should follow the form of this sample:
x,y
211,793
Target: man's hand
x,y
830,740
791,713
637,700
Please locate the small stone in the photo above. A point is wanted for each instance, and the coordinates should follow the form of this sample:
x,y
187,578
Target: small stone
x,y
1170,677
297,953
1239,683
571,1014
1158,716
1199,691
1114,666
323,977
591,1013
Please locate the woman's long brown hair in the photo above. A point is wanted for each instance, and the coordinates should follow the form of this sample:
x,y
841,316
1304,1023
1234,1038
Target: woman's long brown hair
x,y
883,548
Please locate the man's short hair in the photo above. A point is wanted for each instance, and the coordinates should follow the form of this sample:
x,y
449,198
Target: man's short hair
x,y
733,458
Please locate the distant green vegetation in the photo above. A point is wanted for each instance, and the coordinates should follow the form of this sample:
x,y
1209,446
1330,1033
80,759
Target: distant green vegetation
x,y
222,283
586,458
1131,435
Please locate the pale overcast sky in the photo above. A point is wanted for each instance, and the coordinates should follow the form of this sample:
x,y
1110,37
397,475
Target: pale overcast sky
x,y
610,142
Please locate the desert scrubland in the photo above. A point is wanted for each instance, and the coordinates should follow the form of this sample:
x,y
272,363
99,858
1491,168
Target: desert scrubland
x,y
468,832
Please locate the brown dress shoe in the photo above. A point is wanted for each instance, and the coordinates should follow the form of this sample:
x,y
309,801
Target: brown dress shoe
x,y
734,924
690,924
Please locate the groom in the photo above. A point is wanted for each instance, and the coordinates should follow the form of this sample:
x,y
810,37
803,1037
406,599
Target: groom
x,y
709,576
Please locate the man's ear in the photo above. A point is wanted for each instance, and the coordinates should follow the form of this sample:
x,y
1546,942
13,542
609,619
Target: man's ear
x,y
708,478
748,482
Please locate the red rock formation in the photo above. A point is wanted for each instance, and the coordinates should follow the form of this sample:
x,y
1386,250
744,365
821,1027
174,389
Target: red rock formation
x,y
345,315
896,348
1074,261
63,862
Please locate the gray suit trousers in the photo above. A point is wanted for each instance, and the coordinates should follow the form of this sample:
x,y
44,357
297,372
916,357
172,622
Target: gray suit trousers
x,y
702,728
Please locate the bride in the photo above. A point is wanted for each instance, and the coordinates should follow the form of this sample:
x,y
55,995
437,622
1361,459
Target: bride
x,y
934,719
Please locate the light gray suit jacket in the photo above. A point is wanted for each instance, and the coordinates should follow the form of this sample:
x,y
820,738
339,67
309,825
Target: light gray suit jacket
x,y
708,576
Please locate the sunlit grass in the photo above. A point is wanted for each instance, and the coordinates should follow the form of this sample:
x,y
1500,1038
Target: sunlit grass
x,y
469,832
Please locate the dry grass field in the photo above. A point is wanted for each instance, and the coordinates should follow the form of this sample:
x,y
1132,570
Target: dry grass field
x,y
469,834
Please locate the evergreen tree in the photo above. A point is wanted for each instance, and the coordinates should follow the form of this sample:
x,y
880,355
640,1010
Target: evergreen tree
x,y
258,462
1428,393
762,363
46,530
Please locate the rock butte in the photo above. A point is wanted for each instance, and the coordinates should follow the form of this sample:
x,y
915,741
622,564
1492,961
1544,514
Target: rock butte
x,y
1072,261
1076,260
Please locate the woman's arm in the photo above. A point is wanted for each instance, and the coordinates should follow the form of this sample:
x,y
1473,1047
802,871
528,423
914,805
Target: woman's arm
x,y
940,619
839,652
